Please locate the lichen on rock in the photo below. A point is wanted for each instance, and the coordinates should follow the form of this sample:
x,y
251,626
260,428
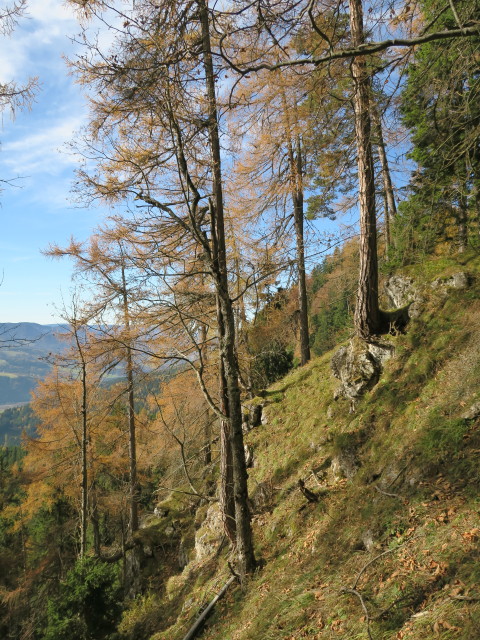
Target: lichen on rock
x,y
210,534
359,365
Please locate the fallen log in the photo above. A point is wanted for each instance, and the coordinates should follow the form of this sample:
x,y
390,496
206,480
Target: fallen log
x,y
197,625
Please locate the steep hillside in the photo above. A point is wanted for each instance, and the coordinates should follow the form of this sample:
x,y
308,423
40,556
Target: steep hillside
x,y
390,550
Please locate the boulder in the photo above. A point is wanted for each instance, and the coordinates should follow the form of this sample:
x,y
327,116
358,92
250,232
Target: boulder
x,y
359,365
400,290
210,534
367,540
458,280
403,294
161,512
473,413
264,418
249,459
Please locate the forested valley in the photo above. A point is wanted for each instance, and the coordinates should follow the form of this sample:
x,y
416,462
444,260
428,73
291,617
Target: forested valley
x,y
267,409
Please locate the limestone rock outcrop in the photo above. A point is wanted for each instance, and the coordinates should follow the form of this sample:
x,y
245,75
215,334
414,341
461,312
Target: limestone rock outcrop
x,y
403,293
210,533
359,365
458,280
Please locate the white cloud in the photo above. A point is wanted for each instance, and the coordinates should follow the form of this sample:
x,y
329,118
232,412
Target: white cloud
x,y
50,11
40,37
41,151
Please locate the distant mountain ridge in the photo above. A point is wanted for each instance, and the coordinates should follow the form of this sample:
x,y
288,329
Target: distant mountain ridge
x,y
24,349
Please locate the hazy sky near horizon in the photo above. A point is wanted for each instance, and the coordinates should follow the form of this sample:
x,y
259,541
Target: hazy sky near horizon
x,y
38,209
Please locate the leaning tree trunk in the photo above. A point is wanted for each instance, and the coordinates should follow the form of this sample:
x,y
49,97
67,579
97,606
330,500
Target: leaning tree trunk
x,y
367,313
244,541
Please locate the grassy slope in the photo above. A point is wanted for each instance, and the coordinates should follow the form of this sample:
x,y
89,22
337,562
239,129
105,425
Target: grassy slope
x,y
411,557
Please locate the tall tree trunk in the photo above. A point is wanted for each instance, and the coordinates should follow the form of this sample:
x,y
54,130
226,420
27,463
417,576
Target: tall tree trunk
x,y
84,449
298,216
244,542
227,500
132,438
390,208
367,313
95,524
295,161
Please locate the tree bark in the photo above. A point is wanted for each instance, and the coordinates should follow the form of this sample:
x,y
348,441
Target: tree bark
x,y
227,500
298,216
367,313
244,542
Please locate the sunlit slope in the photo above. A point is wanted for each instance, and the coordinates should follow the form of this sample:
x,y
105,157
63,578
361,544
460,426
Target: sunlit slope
x,y
391,548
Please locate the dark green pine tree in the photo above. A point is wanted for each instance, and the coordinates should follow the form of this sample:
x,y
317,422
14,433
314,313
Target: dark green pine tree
x,y
441,107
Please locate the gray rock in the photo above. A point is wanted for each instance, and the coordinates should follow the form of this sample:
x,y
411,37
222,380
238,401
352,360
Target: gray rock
x,y
415,309
358,366
473,413
188,604
210,533
249,460
458,280
400,290
367,539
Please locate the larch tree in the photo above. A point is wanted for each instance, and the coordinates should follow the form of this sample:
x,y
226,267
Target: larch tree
x,y
103,264
160,84
367,311
65,403
275,188
277,21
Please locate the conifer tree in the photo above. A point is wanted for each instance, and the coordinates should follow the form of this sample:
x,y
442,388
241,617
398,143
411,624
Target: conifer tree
x,y
160,86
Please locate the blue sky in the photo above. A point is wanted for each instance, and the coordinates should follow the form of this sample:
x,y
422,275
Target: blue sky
x,y
39,209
